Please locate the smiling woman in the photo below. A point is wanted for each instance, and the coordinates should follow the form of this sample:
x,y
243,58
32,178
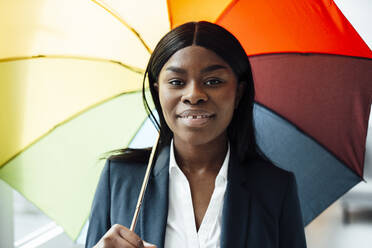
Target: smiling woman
x,y
209,187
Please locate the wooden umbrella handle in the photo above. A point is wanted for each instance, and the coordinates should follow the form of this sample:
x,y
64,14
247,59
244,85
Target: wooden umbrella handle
x,y
144,185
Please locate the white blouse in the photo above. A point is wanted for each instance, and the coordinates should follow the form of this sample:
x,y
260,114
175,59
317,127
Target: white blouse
x,y
181,228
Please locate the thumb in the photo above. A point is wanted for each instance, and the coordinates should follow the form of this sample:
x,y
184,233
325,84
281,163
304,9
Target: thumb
x,y
148,245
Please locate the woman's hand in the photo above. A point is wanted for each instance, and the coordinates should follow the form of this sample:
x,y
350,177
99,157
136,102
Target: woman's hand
x,y
119,236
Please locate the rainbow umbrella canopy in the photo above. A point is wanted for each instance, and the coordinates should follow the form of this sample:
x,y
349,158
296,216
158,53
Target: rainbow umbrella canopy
x,y
71,73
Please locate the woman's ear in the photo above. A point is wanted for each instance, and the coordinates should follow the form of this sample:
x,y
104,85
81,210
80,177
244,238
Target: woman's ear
x,y
156,86
239,93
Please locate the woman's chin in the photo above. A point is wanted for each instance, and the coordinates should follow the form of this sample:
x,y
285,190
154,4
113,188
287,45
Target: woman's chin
x,y
197,138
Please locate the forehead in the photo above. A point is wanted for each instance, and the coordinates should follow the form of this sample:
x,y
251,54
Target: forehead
x,y
196,57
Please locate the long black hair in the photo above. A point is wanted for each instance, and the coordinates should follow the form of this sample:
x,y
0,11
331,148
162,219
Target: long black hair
x,y
217,39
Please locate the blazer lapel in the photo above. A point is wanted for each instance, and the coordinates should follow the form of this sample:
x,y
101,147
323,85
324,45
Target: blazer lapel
x,y
154,210
236,208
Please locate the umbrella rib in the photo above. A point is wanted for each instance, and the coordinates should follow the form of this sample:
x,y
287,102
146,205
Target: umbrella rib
x,y
226,10
170,17
121,20
41,56
64,122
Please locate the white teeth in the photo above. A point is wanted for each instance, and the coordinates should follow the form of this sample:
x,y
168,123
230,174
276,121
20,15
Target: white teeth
x,y
195,116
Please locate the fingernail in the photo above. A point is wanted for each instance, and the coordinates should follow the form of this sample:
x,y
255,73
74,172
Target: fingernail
x,y
149,245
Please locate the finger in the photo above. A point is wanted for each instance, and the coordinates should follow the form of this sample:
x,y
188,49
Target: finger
x,y
113,239
129,236
148,245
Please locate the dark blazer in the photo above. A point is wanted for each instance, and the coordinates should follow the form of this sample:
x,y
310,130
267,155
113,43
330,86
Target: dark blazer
x,y
261,207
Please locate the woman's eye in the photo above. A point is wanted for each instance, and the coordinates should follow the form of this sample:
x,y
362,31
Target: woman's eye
x,y
213,82
176,82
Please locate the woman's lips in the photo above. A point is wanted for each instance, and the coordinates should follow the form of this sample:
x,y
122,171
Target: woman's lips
x,y
196,120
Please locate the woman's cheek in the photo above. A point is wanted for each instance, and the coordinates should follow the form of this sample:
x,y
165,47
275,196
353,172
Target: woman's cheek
x,y
228,98
168,104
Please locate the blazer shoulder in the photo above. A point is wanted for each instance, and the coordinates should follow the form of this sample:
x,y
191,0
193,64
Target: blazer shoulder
x,y
269,182
267,171
121,171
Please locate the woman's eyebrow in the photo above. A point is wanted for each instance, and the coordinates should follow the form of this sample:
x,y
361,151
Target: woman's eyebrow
x,y
213,68
204,70
176,69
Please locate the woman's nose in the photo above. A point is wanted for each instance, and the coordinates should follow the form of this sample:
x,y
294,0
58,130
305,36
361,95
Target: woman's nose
x,y
194,94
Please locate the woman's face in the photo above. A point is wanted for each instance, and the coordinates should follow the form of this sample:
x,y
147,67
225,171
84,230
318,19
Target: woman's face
x,y
198,92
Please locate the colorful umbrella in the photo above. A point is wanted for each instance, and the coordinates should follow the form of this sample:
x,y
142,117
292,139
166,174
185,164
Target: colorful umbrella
x,y
70,75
